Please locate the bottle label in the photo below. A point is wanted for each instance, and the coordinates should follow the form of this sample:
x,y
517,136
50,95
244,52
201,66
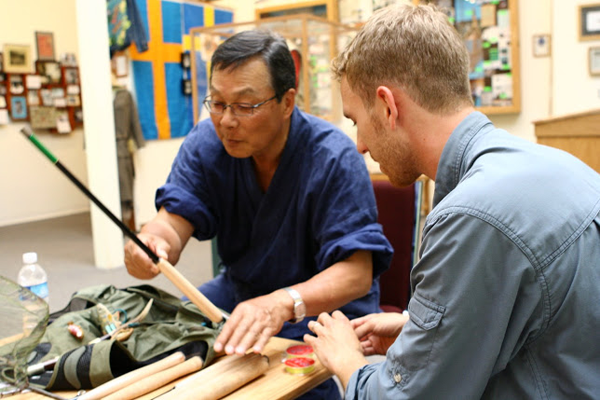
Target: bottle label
x,y
41,290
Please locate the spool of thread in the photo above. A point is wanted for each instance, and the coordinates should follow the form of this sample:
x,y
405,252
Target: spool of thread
x,y
301,350
299,365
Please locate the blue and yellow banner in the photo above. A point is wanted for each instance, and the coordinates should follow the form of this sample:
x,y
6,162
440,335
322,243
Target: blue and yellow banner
x,y
165,111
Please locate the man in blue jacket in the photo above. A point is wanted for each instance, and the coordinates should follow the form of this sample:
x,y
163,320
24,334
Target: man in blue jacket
x,y
506,294
285,193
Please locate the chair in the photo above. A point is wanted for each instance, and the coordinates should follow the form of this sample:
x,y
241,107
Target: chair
x,y
399,210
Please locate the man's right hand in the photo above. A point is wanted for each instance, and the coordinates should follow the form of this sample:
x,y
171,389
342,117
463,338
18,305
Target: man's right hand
x,y
137,261
377,332
166,235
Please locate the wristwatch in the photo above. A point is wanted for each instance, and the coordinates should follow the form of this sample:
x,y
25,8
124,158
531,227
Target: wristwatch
x,y
299,306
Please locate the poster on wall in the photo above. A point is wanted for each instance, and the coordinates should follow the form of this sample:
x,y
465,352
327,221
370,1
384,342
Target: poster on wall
x,y
45,45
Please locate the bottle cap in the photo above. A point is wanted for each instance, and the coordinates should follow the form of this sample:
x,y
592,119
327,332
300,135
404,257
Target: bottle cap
x,y
30,258
301,350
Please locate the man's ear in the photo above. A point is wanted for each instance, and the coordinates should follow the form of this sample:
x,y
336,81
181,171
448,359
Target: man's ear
x,y
289,101
387,102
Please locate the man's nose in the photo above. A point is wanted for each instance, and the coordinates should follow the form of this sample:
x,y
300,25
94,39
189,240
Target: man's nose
x,y
361,146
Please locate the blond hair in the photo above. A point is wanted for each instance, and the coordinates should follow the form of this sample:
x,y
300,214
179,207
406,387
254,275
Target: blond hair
x,y
413,47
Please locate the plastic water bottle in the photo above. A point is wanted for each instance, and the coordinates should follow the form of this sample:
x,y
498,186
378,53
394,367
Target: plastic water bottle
x,y
33,277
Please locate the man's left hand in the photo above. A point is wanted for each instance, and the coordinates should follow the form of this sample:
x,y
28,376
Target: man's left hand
x,y
336,345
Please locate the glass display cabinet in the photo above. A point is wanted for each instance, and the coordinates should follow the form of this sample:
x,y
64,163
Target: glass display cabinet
x,y
313,41
490,31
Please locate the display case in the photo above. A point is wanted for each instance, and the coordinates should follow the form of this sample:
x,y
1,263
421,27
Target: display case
x,y
314,42
489,29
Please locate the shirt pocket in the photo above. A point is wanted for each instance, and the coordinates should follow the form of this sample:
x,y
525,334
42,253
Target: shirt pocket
x,y
419,335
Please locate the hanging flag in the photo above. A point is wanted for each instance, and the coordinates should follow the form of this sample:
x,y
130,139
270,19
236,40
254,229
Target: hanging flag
x,y
165,111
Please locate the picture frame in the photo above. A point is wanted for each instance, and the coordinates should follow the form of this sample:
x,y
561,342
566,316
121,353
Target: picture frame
x,y
33,98
44,42
542,45
47,99
17,58
42,117
18,108
16,84
589,22
73,101
51,70
594,61
71,75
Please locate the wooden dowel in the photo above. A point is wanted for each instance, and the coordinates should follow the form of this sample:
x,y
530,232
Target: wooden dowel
x,y
157,380
198,299
131,377
219,383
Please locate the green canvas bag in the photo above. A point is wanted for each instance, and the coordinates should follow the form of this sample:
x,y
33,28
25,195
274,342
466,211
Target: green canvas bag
x,y
171,325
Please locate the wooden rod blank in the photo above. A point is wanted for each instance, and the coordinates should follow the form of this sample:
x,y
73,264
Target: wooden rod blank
x,y
153,382
132,377
212,384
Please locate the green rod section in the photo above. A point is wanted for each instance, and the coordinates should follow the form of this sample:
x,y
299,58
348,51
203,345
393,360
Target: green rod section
x,y
28,132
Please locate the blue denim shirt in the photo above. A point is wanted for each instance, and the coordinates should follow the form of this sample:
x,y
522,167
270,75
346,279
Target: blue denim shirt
x,y
506,296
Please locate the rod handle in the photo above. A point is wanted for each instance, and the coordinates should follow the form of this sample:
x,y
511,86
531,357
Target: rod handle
x,y
198,299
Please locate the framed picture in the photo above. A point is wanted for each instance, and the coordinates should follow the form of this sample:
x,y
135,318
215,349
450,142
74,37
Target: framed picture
x,y
594,61
18,107
16,84
45,45
42,117
71,75
33,98
49,69
589,22
47,99
73,100
17,58
541,45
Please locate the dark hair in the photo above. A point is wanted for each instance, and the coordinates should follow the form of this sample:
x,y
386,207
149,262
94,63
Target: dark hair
x,y
271,47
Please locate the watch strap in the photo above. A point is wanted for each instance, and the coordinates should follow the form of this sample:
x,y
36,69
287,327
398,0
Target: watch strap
x,y
299,306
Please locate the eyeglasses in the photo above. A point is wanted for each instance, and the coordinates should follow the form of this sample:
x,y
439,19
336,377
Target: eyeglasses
x,y
239,109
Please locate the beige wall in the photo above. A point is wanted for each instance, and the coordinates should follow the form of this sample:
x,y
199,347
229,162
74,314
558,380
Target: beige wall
x,y
32,188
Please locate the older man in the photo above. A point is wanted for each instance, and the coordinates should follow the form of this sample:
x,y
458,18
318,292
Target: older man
x,y
285,193
506,294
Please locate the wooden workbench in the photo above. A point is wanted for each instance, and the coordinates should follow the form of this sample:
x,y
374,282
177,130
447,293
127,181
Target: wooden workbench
x,y
274,384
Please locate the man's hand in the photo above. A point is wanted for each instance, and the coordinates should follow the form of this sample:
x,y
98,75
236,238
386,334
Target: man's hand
x,y
377,332
137,261
166,235
336,345
253,322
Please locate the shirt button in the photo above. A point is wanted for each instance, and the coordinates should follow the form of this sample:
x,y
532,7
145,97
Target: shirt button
x,y
398,378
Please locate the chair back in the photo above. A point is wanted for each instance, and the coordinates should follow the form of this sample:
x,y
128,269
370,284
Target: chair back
x,y
398,213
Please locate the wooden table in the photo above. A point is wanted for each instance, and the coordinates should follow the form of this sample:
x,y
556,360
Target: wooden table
x,y
274,384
